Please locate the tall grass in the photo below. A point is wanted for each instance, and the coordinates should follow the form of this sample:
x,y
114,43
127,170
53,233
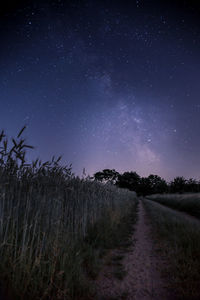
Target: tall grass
x,y
54,227
179,239
189,203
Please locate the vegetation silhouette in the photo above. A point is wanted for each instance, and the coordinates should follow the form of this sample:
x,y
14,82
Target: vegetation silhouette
x,y
153,184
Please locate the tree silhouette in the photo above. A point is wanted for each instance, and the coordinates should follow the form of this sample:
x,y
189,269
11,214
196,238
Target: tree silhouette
x,y
192,186
107,175
129,180
158,184
153,184
178,185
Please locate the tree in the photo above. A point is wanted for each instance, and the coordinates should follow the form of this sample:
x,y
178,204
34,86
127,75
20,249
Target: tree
x,y
153,184
158,184
145,186
129,180
192,186
178,185
107,175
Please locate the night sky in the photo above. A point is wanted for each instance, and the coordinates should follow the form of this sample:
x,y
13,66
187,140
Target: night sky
x,y
106,84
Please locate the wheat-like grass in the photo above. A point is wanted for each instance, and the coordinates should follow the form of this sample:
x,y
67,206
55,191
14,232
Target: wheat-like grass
x,y
51,222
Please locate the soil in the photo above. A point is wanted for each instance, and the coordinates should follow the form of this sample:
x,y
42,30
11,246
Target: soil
x,y
143,265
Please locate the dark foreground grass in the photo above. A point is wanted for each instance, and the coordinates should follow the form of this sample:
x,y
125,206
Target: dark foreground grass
x,y
189,203
179,239
55,227
123,242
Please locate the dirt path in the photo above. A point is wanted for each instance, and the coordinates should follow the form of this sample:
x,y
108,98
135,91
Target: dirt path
x,y
143,280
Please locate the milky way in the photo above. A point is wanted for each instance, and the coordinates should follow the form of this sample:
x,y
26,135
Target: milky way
x,y
107,84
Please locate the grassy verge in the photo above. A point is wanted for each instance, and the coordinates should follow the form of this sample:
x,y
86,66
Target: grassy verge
x,y
189,203
54,227
180,240
123,242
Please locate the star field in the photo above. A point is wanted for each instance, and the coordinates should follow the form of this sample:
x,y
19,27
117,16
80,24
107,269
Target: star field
x,y
107,84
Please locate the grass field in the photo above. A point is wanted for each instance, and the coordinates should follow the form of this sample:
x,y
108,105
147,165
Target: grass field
x,y
55,227
189,203
179,240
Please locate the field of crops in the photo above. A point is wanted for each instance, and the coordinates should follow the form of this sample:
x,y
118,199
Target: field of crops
x,y
189,203
54,227
179,238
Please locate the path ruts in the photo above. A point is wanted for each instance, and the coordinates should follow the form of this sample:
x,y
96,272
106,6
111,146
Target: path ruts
x,y
143,266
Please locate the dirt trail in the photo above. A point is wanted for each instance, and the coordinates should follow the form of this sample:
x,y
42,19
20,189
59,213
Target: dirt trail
x,y
143,280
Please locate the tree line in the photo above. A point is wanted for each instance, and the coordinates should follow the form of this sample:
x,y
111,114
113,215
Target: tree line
x,y
153,184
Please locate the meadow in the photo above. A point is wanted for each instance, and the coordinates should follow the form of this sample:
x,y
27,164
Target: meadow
x,y
178,238
189,203
55,227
